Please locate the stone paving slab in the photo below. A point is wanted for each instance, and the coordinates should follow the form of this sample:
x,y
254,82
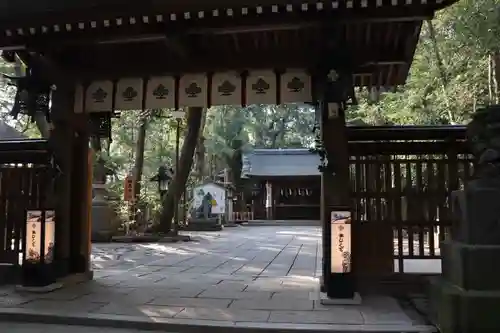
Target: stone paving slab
x,y
243,278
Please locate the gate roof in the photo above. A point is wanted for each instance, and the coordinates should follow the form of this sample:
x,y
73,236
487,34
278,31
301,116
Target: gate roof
x,y
151,37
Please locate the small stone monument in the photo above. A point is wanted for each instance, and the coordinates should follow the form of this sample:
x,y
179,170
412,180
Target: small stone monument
x,y
467,297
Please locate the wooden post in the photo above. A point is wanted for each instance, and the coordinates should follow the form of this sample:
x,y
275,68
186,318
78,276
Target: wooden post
x,y
335,182
61,140
81,204
89,202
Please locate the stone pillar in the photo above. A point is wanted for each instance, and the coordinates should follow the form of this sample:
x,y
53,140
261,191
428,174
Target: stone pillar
x,y
335,185
269,201
467,297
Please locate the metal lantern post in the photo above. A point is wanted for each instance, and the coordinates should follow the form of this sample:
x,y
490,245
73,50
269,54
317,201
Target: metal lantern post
x,y
163,180
38,254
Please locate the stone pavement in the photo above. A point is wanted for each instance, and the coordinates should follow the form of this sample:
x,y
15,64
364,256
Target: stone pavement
x,y
247,277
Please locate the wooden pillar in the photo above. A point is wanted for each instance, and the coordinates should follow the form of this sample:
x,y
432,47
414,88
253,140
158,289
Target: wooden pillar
x,y
69,140
331,90
81,203
61,140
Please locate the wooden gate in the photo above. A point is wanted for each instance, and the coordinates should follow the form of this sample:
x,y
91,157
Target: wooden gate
x,y
25,177
403,177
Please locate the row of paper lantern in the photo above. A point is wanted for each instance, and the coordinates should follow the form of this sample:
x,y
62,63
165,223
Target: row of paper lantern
x,y
195,90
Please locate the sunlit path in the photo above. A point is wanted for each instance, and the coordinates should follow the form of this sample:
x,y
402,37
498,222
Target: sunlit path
x,y
240,276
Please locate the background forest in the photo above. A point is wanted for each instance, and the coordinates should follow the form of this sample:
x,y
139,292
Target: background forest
x,y
456,69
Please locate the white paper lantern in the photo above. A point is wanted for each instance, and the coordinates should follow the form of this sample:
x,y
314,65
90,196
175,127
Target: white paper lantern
x,y
340,242
226,89
99,97
261,87
129,93
160,93
295,87
193,90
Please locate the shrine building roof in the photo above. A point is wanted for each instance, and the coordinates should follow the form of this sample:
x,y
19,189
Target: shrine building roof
x,y
280,163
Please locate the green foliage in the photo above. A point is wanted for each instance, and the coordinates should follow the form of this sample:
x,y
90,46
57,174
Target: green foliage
x,y
466,34
476,23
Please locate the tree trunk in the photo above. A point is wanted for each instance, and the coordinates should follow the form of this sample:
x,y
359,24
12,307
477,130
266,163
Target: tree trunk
x,y
490,80
139,157
138,168
496,74
200,149
177,186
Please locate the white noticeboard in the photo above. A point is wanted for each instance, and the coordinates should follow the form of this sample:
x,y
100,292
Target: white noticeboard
x,y
218,194
340,242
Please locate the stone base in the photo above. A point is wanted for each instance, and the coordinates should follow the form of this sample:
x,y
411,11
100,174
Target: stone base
x,y
77,278
212,224
356,300
40,290
464,311
471,267
231,224
9,274
63,282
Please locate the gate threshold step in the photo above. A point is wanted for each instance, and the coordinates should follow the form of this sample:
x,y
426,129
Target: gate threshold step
x,y
195,326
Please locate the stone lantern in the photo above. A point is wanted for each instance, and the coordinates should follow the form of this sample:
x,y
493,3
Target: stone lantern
x,y
102,213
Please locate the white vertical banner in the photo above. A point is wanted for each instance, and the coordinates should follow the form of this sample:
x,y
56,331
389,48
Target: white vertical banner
x,y
79,98
261,87
50,234
99,97
129,94
269,195
33,235
193,90
340,242
296,87
160,93
226,89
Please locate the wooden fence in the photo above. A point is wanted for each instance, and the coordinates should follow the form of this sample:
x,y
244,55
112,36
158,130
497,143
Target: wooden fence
x,y
25,175
403,176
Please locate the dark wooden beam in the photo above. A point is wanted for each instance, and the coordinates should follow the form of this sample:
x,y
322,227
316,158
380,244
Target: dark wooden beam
x,y
405,148
154,60
409,133
207,25
50,11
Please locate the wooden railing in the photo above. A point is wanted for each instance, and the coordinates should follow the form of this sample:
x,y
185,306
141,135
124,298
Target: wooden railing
x,y
241,216
25,174
403,176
